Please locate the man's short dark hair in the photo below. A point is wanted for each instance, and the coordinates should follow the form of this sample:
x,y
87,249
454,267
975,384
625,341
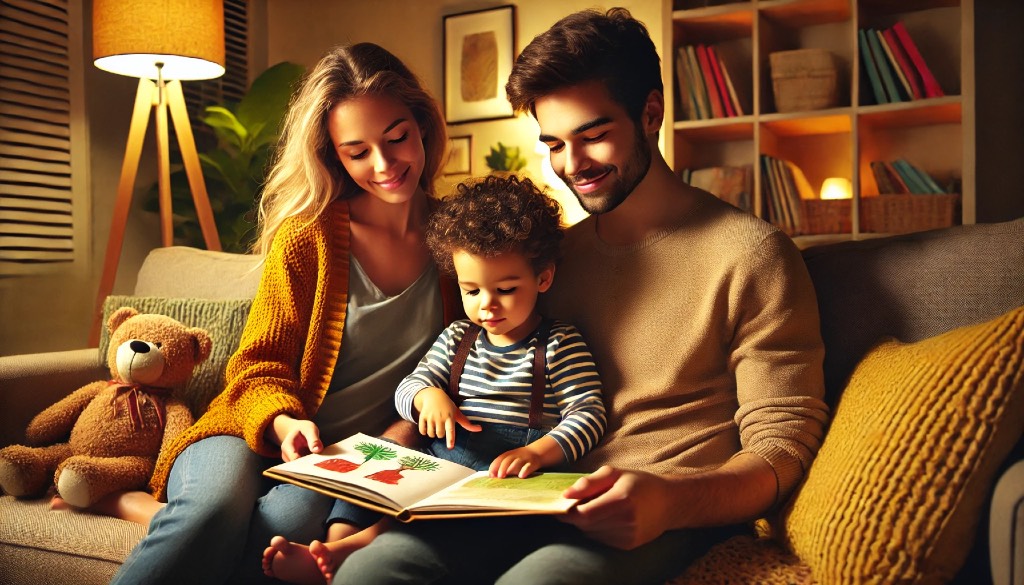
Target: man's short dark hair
x,y
612,47
494,215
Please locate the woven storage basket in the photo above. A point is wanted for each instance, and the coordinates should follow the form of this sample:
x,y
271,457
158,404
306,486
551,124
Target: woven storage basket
x,y
804,79
826,216
908,213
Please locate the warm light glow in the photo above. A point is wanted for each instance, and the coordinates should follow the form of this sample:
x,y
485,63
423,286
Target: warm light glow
x,y
836,188
572,213
186,37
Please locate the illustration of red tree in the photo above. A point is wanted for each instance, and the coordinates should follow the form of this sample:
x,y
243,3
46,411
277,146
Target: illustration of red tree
x,y
369,450
391,476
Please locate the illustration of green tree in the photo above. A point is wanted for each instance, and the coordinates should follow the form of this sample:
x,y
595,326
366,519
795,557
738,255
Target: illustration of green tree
x,y
375,451
408,463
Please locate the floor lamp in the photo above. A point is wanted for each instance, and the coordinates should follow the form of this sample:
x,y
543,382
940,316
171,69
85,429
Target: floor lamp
x,y
162,42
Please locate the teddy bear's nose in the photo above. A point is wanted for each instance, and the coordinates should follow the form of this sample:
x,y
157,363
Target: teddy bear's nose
x,y
139,346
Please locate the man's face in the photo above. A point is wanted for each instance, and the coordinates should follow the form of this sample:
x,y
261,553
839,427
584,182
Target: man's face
x,y
597,150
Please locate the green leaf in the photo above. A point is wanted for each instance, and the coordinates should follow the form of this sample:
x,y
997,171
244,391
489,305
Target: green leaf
x,y
268,97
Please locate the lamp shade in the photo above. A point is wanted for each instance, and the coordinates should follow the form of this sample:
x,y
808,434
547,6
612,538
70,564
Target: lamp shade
x,y
130,37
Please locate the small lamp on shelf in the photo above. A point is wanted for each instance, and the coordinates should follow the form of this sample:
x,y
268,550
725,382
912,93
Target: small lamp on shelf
x,y
161,43
836,188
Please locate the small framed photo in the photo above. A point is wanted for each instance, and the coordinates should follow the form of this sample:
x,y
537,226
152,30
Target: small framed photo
x,y
460,155
479,49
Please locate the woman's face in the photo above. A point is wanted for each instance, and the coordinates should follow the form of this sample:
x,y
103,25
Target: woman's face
x,y
378,142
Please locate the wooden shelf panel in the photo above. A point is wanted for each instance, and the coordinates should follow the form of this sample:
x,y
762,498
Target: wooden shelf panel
x,y
832,121
944,110
798,13
716,130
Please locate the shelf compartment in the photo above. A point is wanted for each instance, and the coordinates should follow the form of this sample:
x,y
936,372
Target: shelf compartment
x,y
926,112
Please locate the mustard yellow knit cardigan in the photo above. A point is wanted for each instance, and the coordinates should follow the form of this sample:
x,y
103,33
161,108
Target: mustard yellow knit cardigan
x,y
291,341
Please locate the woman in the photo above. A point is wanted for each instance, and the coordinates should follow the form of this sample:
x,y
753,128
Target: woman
x,y
348,302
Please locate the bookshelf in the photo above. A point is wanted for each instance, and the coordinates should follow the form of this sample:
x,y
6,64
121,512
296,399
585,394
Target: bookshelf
x,y
936,134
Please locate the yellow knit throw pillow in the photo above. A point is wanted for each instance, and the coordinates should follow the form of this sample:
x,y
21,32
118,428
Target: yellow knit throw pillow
x,y
896,491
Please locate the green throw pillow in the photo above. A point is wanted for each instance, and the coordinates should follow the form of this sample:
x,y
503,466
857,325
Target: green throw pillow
x,y
222,319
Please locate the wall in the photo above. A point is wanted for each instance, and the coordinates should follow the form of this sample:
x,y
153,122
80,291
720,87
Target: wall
x,y
413,31
53,310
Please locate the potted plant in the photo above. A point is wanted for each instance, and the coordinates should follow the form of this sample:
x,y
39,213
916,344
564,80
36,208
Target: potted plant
x,y
235,167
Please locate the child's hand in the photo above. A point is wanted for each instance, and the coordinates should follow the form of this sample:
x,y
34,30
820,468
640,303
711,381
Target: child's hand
x,y
544,452
439,415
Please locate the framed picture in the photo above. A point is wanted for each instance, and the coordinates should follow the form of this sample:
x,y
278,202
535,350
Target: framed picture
x,y
460,153
478,55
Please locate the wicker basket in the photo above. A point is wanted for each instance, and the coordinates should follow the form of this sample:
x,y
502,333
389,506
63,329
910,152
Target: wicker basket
x,y
826,216
804,79
897,214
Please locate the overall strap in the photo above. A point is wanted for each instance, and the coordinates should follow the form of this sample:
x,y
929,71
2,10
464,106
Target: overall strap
x,y
540,344
459,361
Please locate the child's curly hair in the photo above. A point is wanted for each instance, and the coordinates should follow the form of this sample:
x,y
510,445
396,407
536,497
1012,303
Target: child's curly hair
x,y
495,215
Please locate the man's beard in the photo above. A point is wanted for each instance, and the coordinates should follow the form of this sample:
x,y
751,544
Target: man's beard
x,y
619,187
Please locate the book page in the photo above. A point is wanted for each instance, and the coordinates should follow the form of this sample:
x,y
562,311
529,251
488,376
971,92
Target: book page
x,y
541,492
376,469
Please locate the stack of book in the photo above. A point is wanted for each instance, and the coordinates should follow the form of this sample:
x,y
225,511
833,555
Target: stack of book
x,y
731,184
784,187
705,87
895,69
899,176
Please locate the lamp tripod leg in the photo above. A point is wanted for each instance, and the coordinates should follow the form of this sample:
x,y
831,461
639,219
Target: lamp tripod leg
x,y
144,100
189,156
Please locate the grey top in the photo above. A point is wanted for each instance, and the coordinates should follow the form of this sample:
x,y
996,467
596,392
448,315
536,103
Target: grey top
x,y
384,339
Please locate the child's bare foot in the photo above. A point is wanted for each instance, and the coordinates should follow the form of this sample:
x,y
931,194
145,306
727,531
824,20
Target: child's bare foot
x,y
291,562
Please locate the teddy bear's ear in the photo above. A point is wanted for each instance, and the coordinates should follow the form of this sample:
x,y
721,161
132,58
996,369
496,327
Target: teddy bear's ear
x,y
120,316
202,344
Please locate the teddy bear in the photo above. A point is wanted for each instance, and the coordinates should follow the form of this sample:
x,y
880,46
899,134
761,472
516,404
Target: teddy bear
x,y
106,436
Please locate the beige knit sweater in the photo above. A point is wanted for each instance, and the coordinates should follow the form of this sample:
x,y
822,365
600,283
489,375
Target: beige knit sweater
x,y
707,339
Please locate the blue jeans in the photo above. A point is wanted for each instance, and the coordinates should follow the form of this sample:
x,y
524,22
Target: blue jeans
x,y
538,550
220,515
474,450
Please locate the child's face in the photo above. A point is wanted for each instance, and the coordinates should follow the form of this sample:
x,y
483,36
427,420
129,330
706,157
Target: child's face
x,y
500,293
378,142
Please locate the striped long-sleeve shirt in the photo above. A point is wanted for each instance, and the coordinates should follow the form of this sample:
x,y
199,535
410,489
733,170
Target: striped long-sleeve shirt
x,y
497,381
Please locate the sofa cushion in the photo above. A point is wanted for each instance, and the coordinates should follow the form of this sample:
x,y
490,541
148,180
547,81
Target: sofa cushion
x,y
897,488
912,287
224,320
184,272
38,545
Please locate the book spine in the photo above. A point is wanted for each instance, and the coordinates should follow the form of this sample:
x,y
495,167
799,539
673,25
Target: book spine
x,y
931,85
906,93
924,178
883,67
885,184
917,187
723,92
896,178
868,63
733,97
685,87
904,64
709,82
699,91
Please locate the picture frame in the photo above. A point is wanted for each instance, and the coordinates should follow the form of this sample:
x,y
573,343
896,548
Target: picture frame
x,y
460,156
479,48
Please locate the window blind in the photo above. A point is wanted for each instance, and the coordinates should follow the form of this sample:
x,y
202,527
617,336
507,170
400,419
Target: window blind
x,y
35,136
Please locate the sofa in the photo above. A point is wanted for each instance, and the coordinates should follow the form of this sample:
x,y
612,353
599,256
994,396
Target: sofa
x,y
920,477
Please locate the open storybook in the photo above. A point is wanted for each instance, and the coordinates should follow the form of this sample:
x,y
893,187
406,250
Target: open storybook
x,y
411,485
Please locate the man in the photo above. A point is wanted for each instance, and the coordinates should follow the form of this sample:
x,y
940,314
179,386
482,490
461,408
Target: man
x,y
701,318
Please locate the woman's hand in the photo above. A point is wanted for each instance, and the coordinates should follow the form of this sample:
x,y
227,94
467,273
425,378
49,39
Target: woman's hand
x,y
439,415
296,437
624,509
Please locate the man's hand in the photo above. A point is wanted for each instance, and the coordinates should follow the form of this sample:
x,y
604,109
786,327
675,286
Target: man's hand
x,y
624,509
439,415
296,437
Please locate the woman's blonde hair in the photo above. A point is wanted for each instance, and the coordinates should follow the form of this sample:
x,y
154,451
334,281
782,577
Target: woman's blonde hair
x,y
306,174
